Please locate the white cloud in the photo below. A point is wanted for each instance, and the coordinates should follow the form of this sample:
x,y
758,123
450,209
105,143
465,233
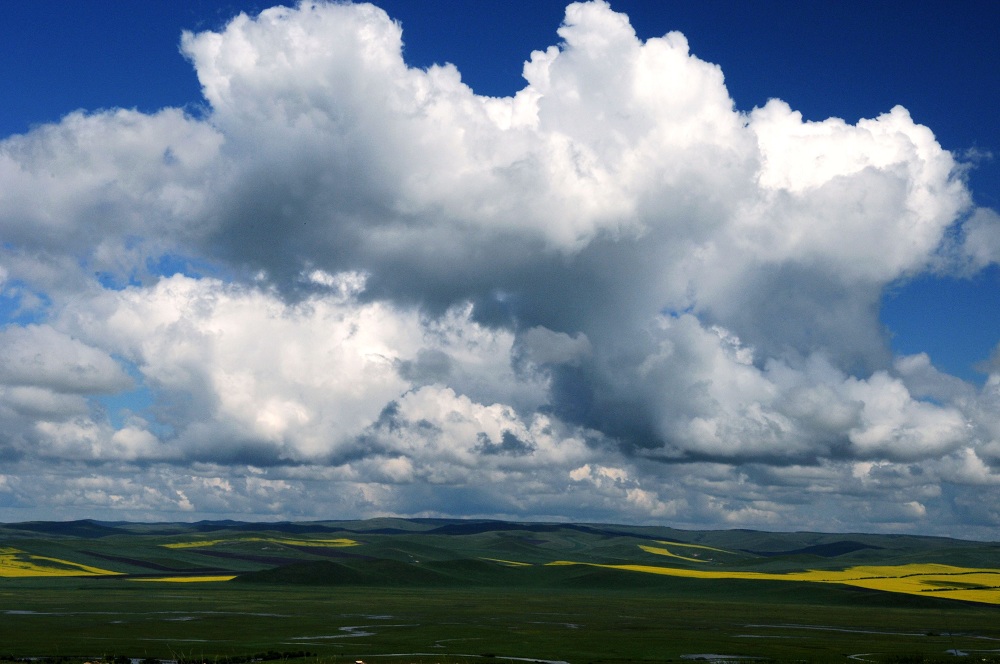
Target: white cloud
x,y
541,346
45,379
301,378
885,182
894,424
106,190
39,402
82,439
980,244
40,356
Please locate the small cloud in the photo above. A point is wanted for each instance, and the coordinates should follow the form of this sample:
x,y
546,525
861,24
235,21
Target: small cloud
x,y
509,445
991,365
430,366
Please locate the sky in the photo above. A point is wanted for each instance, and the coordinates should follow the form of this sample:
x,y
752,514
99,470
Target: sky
x,y
705,265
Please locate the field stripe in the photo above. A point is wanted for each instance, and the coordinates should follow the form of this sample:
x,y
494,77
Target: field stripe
x,y
185,579
928,580
667,552
337,543
17,563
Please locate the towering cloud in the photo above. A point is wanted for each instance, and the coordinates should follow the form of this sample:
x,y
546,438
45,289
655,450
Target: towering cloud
x,y
613,295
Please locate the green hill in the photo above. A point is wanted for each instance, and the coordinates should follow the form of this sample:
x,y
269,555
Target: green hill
x,y
391,552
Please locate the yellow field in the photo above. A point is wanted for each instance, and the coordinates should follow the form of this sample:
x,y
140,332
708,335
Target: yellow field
x,y
508,563
666,552
17,563
693,546
660,551
340,542
186,579
961,583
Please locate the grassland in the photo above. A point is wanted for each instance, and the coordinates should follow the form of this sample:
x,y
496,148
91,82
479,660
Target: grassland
x,y
472,591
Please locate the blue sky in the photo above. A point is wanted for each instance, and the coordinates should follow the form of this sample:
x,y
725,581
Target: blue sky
x,y
513,296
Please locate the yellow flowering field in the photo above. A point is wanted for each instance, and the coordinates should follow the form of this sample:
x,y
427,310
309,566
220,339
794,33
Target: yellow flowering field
x,y
17,563
662,551
186,579
508,563
961,583
667,552
338,542
684,545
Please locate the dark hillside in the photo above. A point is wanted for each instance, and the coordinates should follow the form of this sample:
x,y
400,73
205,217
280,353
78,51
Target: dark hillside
x,y
369,573
829,550
82,528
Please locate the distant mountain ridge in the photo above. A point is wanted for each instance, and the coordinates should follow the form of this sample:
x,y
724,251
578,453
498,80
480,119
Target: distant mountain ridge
x,y
764,543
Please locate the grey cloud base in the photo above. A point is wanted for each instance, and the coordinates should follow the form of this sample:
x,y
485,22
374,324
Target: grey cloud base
x,y
612,296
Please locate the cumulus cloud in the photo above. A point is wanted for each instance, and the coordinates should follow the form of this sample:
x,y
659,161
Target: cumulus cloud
x,y
981,239
612,295
40,356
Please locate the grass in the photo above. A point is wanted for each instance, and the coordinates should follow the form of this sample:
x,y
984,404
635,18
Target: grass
x,y
479,592
737,617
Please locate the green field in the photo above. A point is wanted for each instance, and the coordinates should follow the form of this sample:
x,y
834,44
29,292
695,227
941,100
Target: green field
x,y
453,591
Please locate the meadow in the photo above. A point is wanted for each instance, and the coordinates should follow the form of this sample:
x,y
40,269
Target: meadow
x,y
404,591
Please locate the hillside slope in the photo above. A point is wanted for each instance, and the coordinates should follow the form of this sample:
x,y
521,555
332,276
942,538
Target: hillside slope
x,y
467,553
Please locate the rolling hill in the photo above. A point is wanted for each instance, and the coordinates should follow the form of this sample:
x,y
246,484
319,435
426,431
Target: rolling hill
x,y
391,552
